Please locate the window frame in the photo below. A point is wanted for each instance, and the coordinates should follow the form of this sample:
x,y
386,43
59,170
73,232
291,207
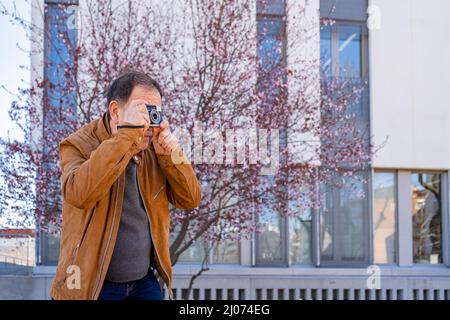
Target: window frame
x,y
364,53
364,117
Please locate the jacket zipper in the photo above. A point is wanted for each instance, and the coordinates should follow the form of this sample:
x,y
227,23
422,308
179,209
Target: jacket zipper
x,y
161,189
150,224
75,251
109,240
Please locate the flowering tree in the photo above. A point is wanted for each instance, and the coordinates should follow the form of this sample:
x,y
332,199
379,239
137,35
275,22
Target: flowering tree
x,y
226,80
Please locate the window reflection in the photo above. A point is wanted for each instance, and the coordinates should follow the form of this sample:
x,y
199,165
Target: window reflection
x,y
274,7
426,215
270,33
326,227
271,43
325,49
385,221
270,56
194,254
227,251
341,50
343,224
50,248
269,239
300,229
351,214
349,51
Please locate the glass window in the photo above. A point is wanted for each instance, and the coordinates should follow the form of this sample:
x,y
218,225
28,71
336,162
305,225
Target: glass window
x,y
270,56
344,216
349,51
59,57
50,248
270,33
426,216
270,248
194,254
300,242
341,50
227,251
341,56
385,217
343,221
325,49
271,41
326,227
352,209
273,7
60,43
269,239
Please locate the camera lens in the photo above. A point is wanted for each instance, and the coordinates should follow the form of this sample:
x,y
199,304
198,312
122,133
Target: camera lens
x,y
155,116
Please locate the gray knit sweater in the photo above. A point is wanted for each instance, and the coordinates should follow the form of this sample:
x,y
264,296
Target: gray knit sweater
x,y
132,252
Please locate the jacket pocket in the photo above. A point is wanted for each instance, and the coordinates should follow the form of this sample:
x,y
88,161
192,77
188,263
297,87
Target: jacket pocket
x,y
78,244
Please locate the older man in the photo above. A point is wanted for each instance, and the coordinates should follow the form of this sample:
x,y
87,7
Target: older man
x,y
118,178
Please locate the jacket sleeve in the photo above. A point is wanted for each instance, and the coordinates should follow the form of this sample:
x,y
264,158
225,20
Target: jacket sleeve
x,y
85,181
183,189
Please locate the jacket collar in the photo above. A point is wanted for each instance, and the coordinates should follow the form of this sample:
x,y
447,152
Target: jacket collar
x,y
103,128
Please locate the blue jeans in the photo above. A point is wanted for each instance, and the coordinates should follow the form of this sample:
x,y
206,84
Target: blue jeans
x,y
146,288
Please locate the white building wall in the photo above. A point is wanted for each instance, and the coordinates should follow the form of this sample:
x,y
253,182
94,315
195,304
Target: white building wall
x,y
410,82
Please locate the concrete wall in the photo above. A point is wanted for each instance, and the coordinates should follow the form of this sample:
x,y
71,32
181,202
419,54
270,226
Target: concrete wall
x,y
25,287
410,77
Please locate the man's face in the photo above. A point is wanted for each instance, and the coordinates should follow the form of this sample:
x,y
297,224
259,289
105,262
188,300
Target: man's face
x,y
151,96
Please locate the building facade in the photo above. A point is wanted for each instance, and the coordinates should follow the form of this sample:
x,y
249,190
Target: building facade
x,y
392,244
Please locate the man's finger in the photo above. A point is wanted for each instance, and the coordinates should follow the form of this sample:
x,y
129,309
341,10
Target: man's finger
x,y
167,141
162,135
168,137
164,124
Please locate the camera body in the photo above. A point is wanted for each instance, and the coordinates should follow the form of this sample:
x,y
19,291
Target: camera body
x,y
155,115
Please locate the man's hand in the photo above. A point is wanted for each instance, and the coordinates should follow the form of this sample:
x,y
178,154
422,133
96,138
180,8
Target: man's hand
x,y
163,140
135,114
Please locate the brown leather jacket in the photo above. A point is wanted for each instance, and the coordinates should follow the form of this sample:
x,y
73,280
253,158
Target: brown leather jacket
x,y
92,182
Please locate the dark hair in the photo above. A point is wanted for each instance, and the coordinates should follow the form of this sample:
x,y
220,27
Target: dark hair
x,y
121,88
